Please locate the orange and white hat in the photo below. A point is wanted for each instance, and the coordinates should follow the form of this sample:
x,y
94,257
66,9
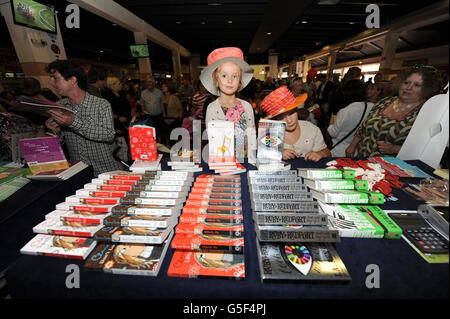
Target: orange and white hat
x,y
220,56
280,101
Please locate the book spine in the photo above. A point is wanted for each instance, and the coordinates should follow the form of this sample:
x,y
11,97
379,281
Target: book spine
x,y
145,223
298,236
289,206
392,230
161,194
215,190
275,180
150,211
156,201
290,219
266,174
279,188
134,239
88,221
214,196
304,197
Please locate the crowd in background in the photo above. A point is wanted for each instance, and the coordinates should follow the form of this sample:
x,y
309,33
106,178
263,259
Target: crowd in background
x,y
167,104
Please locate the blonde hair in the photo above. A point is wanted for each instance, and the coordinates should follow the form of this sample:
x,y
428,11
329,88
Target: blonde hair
x,y
216,81
110,81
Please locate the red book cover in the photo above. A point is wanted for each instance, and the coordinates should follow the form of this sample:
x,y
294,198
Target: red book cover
x,y
90,193
211,220
120,182
116,187
214,203
214,196
227,231
215,190
192,264
217,178
122,175
207,242
92,200
93,208
142,143
212,210
217,185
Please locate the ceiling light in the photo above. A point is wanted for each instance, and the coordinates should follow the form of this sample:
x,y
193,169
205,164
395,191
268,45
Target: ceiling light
x,y
114,24
203,22
269,33
304,21
351,22
229,21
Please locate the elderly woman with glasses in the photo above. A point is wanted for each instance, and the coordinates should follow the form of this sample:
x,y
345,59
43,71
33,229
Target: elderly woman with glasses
x,y
389,122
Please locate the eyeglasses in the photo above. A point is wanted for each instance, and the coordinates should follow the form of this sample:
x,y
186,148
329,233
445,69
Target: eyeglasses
x,y
430,68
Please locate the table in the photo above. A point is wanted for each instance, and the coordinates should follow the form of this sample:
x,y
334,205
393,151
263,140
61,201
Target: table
x,y
403,273
27,207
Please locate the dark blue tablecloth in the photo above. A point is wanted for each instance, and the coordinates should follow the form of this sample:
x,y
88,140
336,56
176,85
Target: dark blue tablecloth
x,y
403,273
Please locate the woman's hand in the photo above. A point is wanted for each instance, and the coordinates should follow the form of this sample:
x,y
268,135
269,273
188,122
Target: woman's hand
x,y
289,154
388,148
350,151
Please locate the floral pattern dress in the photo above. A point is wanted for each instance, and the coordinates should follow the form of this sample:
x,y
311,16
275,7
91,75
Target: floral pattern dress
x,y
236,115
379,127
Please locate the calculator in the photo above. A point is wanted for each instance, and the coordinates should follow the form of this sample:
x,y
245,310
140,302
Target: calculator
x,y
421,233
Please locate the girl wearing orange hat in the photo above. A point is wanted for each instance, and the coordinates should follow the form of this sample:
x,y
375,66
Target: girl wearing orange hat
x,y
226,74
302,138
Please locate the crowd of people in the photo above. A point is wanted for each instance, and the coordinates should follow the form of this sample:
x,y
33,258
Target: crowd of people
x,y
324,116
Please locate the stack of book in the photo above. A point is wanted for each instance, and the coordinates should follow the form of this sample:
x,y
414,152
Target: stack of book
x,y
12,179
184,161
136,236
351,208
221,149
294,241
209,239
114,209
141,167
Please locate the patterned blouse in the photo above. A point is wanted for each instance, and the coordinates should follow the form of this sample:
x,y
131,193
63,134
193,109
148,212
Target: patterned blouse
x,y
90,136
379,127
239,132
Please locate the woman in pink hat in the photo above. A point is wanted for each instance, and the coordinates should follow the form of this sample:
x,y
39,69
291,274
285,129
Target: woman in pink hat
x,y
302,138
226,74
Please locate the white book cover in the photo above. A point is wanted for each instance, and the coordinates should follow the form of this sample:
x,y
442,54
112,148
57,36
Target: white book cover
x,y
221,142
59,246
270,141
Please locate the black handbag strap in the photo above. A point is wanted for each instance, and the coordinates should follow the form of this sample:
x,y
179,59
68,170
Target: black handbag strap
x,y
349,133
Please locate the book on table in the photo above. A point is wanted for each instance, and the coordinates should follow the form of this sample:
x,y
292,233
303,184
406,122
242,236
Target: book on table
x,y
270,141
143,143
59,246
60,174
43,154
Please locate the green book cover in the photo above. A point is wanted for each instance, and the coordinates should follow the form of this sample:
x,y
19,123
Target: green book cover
x,y
364,221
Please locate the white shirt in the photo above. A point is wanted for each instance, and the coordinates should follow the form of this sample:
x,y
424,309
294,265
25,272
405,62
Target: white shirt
x,y
346,120
310,140
152,101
